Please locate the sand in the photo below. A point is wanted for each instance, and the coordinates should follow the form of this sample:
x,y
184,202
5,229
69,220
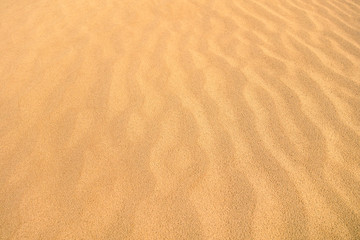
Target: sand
x,y
181,119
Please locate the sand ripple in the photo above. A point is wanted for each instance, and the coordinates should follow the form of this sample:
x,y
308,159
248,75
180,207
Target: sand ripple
x,y
192,119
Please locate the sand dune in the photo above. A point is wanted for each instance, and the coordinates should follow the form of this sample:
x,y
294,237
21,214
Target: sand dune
x,y
182,119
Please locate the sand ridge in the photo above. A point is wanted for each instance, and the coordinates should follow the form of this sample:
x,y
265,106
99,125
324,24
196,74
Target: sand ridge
x,y
183,119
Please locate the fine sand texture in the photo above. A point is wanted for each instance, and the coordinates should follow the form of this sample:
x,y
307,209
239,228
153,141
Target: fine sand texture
x,y
179,119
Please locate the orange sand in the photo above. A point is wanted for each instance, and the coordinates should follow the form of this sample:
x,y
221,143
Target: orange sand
x,y
179,119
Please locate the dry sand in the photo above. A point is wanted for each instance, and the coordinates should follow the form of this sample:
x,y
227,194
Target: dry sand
x,y
179,119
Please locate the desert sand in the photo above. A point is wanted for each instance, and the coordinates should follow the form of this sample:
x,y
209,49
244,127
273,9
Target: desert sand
x,y
179,119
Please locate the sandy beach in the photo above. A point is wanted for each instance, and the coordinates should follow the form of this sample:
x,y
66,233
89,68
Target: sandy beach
x,y
179,119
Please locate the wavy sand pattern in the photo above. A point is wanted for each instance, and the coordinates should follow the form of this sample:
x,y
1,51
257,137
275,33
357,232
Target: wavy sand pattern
x,y
182,119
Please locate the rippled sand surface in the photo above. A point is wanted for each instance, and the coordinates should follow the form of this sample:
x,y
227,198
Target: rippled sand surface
x,y
182,119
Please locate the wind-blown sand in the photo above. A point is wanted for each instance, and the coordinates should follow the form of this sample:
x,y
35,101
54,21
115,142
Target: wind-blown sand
x,y
181,119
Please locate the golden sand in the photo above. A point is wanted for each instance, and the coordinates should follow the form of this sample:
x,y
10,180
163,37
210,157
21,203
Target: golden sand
x,y
179,119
